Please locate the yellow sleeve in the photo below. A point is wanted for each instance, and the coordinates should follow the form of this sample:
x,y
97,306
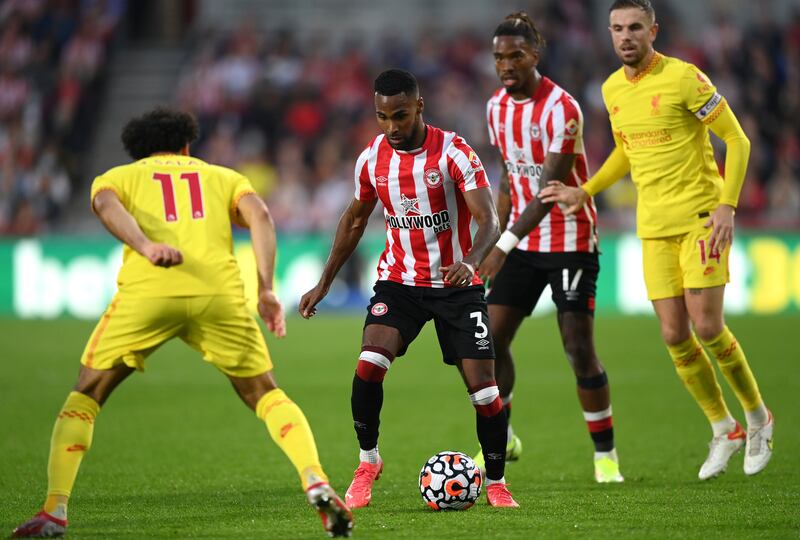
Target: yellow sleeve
x,y
726,127
699,95
241,187
108,181
615,167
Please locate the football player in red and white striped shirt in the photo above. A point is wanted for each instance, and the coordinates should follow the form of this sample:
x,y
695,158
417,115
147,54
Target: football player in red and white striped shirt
x,y
537,127
431,184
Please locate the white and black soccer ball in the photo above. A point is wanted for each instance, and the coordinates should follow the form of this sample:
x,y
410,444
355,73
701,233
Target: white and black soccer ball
x,y
450,481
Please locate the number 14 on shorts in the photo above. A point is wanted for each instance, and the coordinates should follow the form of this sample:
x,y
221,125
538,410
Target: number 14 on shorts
x,y
711,255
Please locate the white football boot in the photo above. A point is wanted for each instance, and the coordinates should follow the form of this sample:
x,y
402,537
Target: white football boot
x,y
720,451
758,450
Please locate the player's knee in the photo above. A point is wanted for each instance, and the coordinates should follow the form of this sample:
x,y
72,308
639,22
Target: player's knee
x,y
707,330
486,398
582,357
373,363
673,335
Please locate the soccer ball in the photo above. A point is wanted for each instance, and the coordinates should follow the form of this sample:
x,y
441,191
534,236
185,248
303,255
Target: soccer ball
x,y
450,481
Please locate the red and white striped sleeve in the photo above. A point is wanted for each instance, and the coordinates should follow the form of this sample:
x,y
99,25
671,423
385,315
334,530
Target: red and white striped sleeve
x,y
567,123
465,166
365,190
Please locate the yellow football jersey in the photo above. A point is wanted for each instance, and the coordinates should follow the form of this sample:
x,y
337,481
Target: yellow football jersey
x,y
185,203
660,120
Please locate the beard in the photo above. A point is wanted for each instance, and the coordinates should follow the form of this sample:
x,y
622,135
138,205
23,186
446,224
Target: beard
x,y
633,58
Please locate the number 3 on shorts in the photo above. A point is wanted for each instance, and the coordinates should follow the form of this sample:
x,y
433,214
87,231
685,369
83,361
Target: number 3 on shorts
x,y
478,316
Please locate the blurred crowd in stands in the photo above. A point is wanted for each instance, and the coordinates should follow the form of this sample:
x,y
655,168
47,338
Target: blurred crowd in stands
x,y
293,109
52,57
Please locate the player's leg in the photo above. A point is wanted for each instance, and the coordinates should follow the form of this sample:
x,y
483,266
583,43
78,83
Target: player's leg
x,y
705,311
225,332
106,361
593,391
491,425
394,318
695,370
71,439
705,275
461,320
504,321
663,277
286,423
380,344
289,429
573,281
514,292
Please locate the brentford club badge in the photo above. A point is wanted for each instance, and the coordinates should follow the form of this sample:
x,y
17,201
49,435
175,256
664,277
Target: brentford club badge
x,y
380,309
433,178
536,132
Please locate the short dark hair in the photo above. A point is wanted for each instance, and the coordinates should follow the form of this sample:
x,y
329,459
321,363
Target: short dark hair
x,y
521,24
396,81
644,5
160,130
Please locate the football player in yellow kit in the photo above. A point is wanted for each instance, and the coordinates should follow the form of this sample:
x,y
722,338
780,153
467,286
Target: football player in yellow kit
x,y
661,110
179,278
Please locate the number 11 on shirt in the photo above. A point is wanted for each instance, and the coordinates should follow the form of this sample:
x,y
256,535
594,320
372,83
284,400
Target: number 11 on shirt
x,y
168,192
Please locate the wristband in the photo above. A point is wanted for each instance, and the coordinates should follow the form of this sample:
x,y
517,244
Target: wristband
x,y
507,242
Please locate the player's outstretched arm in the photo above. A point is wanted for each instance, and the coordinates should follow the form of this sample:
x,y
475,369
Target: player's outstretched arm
x,y
479,202
615,167
556,166
121,224
348,234
727,128
256,216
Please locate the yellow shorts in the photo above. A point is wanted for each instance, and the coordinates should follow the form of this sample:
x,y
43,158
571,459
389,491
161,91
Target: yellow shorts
x,y
675,263
220,327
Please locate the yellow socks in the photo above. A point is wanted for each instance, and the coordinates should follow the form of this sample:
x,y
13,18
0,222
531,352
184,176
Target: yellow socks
x,y
72,437
695,370
289,429
734,367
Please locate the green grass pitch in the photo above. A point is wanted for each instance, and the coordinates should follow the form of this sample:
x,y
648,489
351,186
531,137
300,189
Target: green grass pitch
x,y
176,454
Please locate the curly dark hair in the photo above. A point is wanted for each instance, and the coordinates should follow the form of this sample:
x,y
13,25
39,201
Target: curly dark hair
x,y
160,130
521,24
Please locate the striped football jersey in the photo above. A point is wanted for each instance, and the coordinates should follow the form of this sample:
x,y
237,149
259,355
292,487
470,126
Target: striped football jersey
x,y
427,218
524,132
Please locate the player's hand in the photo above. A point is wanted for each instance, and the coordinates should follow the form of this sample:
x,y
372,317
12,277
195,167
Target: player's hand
x,y
721,223
271,311
309,301
491,264
557,192
162,255
458,274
